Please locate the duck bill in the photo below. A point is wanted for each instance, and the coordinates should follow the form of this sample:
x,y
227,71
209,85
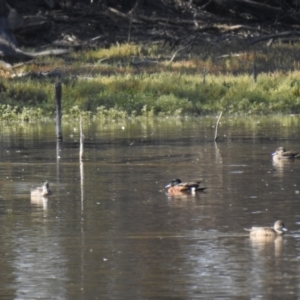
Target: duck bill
x,y
167,186
284,229
273,153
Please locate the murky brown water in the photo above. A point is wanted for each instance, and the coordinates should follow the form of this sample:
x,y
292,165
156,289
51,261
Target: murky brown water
x,y
110,231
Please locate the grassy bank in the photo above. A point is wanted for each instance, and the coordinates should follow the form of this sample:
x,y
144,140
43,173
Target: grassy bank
x,y
131,80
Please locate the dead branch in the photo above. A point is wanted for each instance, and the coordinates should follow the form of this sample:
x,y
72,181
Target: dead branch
x,y
274,36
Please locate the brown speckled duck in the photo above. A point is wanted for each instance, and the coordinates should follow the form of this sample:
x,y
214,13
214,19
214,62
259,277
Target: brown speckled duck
x,y
281,153
42,191
278,229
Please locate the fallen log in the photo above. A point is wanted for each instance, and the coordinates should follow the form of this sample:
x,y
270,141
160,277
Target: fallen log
x,y
274,36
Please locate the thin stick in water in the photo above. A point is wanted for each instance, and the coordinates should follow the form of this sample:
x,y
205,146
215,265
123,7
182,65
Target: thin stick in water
x,y
216,131
58,95
81,150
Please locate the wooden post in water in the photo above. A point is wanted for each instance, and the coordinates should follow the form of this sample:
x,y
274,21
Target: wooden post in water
x,y
58,94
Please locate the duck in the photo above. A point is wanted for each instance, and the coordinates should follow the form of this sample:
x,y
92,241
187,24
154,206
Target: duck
x,y
277,229
41,191
176,187
281,153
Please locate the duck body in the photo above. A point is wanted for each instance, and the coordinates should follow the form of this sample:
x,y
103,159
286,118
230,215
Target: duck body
x,y
277,229
281,153
176,187
41,191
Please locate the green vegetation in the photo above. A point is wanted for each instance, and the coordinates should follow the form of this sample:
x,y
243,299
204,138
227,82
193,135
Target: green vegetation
x,y
130,80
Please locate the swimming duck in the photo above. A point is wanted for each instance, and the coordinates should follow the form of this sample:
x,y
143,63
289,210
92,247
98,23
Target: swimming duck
x,y
281,153
278,229
42,191
176,187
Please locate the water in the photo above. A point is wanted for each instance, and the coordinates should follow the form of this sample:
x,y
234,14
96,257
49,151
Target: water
x,y
111,232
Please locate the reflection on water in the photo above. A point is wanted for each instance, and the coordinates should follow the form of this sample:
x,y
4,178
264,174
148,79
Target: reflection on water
x,y
39,201
267,245
110,231
38,264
